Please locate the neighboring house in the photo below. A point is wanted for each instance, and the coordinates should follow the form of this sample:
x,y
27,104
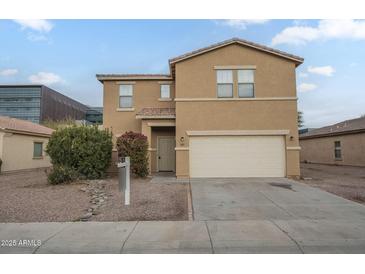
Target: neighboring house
x,y
227,110
38,103
340,144
22,144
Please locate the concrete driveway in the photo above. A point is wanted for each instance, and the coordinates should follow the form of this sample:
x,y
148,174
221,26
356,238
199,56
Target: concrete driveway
x,y
277,215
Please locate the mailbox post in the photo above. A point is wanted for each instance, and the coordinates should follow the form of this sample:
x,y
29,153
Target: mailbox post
x,y
124,179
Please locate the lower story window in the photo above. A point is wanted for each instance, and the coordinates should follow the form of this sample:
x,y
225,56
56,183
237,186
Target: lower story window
x,y
338,153
38,150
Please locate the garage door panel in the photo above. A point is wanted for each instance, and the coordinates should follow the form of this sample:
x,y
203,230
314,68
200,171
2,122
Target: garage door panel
x,y
237,156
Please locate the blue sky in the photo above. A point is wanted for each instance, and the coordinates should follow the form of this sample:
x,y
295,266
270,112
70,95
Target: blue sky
x,y
66,55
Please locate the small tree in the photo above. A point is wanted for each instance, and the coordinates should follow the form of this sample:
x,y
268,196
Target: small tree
x,y
135,146
84,149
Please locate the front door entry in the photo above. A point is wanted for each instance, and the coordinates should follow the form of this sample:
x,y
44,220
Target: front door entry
x,y
166,153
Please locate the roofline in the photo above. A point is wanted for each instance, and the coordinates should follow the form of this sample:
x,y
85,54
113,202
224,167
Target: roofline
x,y
24,132
110,77
105,77
322,135
298,60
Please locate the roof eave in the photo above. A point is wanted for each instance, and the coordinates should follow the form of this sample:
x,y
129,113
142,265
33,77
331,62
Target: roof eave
x,y
103,78
330,134
23,132
296,59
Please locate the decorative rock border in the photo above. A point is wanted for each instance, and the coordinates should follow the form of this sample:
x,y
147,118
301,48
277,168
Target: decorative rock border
x,y
96,190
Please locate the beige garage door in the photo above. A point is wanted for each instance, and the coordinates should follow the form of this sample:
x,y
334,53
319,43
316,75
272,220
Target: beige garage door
x,y
237,156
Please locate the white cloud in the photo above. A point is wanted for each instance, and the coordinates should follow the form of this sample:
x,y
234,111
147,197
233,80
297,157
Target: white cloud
x,y
39,25
303,74
303,87
8,72
325,70
243,23
36,37
326,29
45,78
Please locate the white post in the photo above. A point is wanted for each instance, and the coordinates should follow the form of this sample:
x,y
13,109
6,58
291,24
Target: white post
x,y
127,181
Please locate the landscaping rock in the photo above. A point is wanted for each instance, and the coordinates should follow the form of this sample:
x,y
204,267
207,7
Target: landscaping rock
x,y
96,190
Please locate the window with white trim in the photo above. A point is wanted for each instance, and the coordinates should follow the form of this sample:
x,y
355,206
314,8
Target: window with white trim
x,y
224,83
165,91
126,96
246,83
338,152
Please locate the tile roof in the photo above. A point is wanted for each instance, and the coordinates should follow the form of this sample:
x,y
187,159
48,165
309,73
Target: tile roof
x,y
157,112
298,59
23,126
345,127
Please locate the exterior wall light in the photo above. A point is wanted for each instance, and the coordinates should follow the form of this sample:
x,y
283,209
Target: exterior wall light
x,y
182,140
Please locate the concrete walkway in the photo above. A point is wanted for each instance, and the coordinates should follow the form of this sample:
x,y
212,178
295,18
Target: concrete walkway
x,y
259,236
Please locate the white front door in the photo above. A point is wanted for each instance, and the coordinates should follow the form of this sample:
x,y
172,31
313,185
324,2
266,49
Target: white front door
x,y
166,153
237,156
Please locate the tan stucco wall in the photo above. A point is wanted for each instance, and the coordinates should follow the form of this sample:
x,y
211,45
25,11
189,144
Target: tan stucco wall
x,y
145,94
274,77
196,78
321,150
17,152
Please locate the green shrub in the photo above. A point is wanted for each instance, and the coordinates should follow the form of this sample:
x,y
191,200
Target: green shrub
x,y
135,146
85,149
62,174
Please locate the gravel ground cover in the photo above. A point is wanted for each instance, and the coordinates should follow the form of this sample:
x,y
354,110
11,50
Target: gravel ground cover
x,y
149,201
27,197
345,181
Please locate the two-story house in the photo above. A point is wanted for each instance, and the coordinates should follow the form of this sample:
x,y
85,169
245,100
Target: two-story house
x,y
227,110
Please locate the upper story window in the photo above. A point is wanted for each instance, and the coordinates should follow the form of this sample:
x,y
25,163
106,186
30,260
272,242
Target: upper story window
x,y
246,83
126,96
224,83
338,153
165,91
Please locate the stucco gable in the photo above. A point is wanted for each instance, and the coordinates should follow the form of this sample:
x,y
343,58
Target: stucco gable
x,y
296,59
